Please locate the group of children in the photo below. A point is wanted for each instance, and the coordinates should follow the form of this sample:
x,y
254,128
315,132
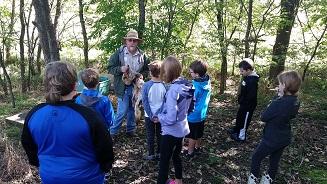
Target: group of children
x,y
176,108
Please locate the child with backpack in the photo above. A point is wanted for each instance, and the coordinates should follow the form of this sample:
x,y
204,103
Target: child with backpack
x,y
173,118
196,118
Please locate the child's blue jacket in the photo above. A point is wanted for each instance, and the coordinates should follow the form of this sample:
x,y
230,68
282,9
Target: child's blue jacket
x,y
202,97
101,104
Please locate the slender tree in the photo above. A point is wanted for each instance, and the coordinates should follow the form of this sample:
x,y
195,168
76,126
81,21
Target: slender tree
x,y
21,46
141,25
84,33
288,12
8,41
46,30
2,64
248,30
222,44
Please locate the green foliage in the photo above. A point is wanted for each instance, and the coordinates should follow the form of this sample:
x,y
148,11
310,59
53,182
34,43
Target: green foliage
x,y
12,132
315,93
117,18
23,102
213,159
318,176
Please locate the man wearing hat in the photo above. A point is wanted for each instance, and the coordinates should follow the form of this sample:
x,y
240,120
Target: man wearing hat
x,y
127,59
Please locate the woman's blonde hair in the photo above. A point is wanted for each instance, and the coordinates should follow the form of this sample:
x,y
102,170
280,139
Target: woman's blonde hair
x,y
59,80
292,81
171,69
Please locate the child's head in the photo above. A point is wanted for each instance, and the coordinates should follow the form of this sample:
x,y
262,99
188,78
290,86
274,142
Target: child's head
x,y
171,69
90,78
246,66
291,81
154,68
198,68
59,80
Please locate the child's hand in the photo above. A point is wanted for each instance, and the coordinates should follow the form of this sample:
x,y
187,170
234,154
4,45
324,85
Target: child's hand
x,y
280,91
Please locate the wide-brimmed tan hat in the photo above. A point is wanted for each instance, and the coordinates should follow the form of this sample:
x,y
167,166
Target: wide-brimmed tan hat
x,y
132,34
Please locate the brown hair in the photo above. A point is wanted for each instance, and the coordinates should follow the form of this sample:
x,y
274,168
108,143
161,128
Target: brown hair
x,y
59,80
171,69
292,81
90,77
154,68
246,64
199,67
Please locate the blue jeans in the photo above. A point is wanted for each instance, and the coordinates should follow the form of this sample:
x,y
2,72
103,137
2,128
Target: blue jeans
x,y
125,107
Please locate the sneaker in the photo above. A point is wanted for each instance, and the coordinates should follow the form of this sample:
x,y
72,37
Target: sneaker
x,y
170,181
235,137
150,157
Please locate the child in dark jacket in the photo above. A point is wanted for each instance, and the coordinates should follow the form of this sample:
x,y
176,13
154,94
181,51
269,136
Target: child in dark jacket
x,y
173,118
196,118
277,131
247,99
92,98
153,94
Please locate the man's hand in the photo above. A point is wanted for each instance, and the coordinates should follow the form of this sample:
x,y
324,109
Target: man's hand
x,y
124,69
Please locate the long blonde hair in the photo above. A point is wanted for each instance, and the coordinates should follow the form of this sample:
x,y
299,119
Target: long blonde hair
x,y
59,80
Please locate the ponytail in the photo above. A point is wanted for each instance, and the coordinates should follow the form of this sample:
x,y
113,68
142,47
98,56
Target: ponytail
x,y
59,80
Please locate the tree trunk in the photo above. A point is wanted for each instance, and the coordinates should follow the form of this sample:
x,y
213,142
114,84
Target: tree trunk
x,y
141,25
46,30
21,45
287,16
222,44
86,43
11,29
7,79
57,15
248,30
38,58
